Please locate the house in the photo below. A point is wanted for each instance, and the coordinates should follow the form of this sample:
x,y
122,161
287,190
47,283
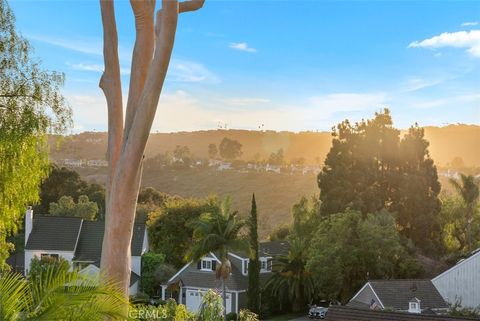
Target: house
x,y
339,313
79,242
192,281
461,283
413,296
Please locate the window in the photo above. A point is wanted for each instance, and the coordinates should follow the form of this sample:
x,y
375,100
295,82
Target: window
x,y
207,265
414,306
265,264
245,266
47,256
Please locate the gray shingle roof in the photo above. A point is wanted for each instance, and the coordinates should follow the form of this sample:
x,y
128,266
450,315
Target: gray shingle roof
x,y
207,279
89,246
58,233
54,233
270,248
338,313
397,293
274,248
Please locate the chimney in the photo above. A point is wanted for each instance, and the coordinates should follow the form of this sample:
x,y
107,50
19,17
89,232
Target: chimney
x,y
28,223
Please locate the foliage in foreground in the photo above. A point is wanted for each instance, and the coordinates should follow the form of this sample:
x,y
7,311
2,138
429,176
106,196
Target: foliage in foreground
x,y
58,295
31,105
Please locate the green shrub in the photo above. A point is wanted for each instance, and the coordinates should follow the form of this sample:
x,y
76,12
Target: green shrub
x,y
232,316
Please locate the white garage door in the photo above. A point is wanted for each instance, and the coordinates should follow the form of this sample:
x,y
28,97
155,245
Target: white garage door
x,y
194,300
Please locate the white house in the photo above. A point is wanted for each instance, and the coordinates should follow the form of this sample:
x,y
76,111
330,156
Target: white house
x,y
79,242
461,282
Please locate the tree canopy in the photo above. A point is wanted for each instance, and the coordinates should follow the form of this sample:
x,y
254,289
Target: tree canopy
x,y
31,105
370,168
175,216
66,206
230,149
349,248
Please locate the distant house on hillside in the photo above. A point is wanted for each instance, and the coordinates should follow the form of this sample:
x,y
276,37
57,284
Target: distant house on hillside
x,y
338,313
79,242
414,296
461,282
73,162
97,163
192,281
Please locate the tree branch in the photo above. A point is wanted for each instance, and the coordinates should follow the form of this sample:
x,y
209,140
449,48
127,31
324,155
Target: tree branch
x,y
190,5
111,85
142,56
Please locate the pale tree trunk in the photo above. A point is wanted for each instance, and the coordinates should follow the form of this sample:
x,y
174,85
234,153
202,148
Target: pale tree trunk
x,y
126,143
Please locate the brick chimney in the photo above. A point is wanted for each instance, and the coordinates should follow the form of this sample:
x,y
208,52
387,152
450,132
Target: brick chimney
x,y
28,223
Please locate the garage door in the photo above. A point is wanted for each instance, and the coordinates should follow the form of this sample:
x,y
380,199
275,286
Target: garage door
x,y
194,300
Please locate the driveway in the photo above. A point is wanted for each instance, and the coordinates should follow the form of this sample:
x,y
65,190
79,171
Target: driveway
x,y
300,319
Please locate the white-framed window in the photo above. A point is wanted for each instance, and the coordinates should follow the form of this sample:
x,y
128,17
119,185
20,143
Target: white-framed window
x,y
206,265
245,266
265,264
414,306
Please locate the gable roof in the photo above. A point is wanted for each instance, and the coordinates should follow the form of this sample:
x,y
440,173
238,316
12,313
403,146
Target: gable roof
x,y
89,247
338,313
190,276
84,238
269,249
274,248
473,255
54,233
398,293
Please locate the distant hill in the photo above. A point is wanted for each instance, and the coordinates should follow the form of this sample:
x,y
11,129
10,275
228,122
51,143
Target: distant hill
x,y
276,193
446,143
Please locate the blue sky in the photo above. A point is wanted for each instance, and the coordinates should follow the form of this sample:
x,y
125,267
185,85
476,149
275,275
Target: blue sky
x,y
286,65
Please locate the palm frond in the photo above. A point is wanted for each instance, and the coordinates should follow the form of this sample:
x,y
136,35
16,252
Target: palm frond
x,y
13,296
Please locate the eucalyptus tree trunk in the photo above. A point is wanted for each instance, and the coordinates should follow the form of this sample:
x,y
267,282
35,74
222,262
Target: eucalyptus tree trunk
x,y
127,140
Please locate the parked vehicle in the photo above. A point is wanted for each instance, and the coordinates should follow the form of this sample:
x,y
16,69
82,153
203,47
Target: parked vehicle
x,y
317,312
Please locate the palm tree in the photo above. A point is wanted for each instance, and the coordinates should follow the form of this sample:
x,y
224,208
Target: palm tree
x,y
218,232
291,280
59,295
469,191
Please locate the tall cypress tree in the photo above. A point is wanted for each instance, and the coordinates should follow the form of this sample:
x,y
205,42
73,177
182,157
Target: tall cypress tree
x,y
254,265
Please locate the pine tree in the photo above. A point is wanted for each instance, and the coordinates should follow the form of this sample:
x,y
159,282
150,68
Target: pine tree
x,y
254,265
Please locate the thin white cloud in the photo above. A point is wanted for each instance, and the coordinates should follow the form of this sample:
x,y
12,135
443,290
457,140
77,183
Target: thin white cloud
x,y
469,40
94,68
469,24
245,101
418,83
329,104
189,71
91,46
447,101
242,46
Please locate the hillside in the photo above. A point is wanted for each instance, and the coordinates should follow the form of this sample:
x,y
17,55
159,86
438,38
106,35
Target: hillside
x,y
275,193
446,143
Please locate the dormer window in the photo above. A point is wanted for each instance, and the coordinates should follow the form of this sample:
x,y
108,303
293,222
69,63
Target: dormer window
x,y
206,265
265,264
414,306
245,266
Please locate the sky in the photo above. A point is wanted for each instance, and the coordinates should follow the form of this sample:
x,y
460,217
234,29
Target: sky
x,y
277,65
